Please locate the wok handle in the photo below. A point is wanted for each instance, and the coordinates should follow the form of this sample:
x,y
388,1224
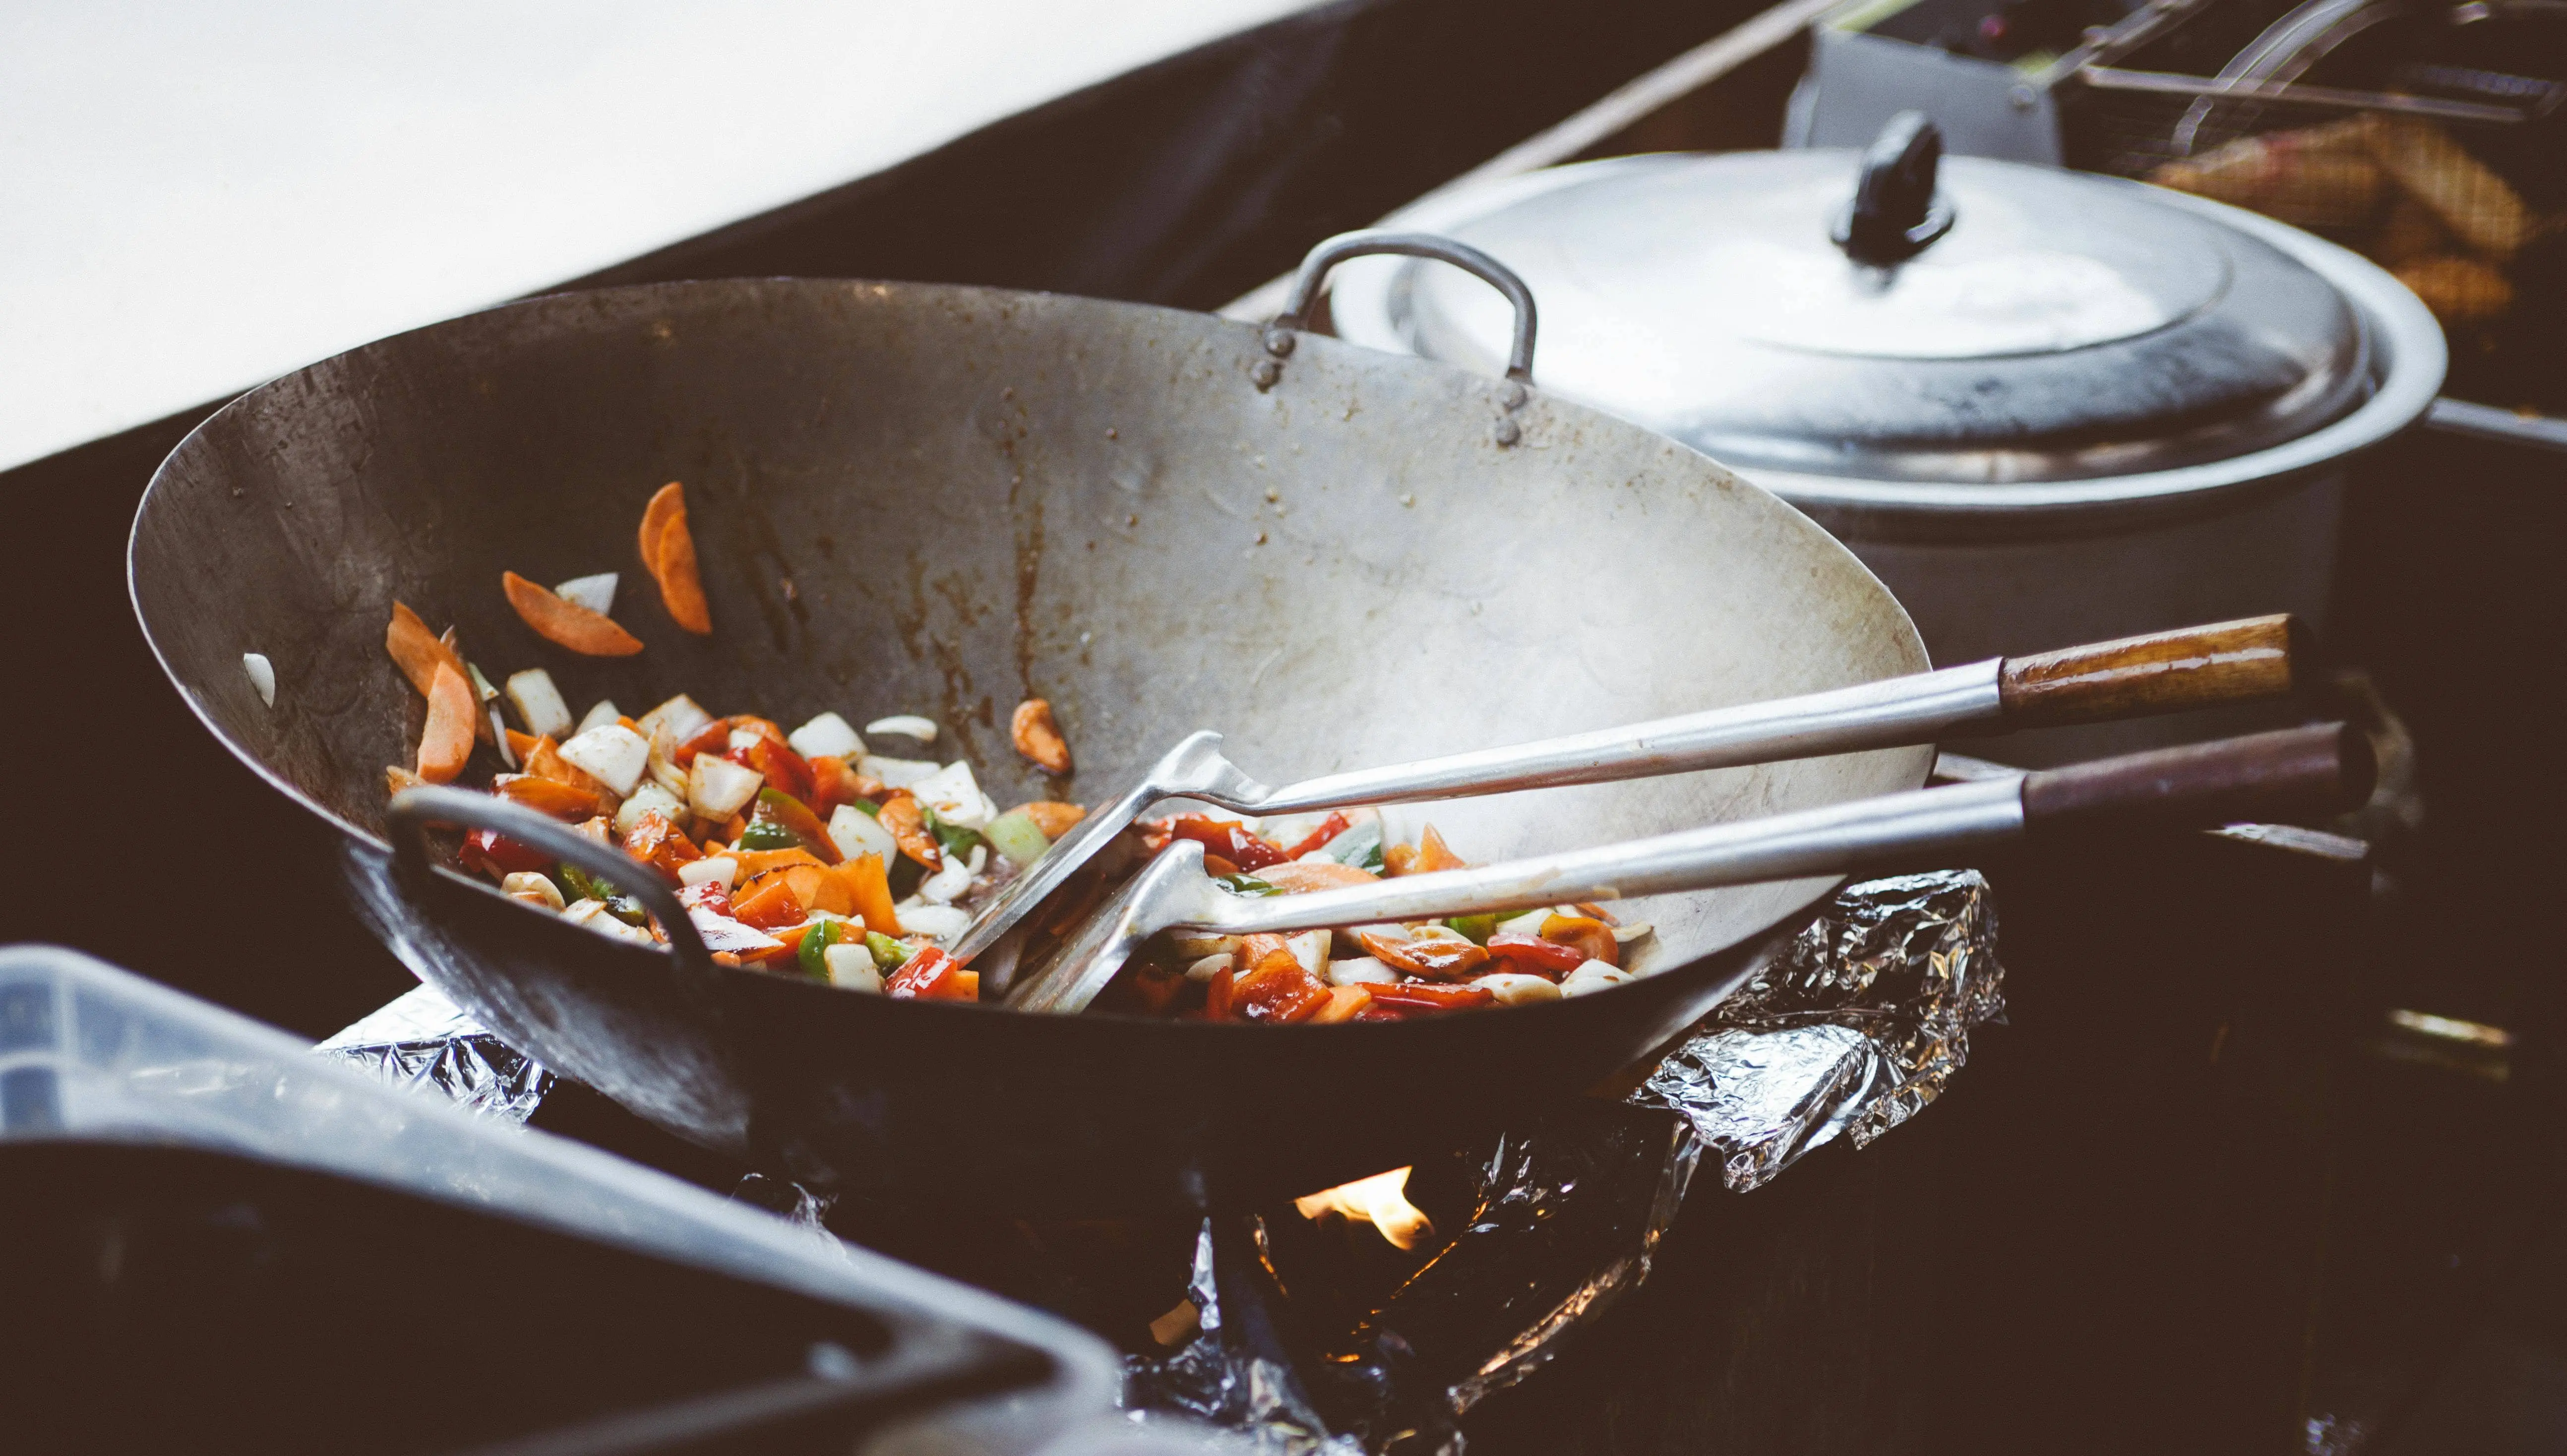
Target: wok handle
x,y
2315,771
2164,672
2298,771
1328,254
414,809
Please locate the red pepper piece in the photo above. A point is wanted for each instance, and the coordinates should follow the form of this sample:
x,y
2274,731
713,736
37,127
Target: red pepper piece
x,y
931,975
1445,959
1278,993
1544,958
713,738
1217,997
784,768
498,857
1330,828
1427,996
654,840
1228,838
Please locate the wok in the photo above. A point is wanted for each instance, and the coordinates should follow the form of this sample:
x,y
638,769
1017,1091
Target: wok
x,y
943,499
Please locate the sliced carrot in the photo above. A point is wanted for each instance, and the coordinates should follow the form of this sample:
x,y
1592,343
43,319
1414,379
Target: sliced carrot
x,y
869,891
768,906
665,502
1343,1003
668,550
447,740
756,862
567,623
416,650
547,796
522,744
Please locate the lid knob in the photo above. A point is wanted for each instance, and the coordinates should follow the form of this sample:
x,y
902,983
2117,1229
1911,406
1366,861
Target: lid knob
x,y
1895,214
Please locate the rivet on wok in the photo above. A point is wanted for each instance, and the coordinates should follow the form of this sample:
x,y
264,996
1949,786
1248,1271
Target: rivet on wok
x,y
1279,342
1513,396
1507,433
1265,372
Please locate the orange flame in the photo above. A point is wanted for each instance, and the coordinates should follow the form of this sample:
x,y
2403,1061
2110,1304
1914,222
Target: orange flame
x,y
1380,1200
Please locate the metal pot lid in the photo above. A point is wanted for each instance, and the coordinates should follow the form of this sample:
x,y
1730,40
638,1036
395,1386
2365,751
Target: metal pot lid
x,y
1890,316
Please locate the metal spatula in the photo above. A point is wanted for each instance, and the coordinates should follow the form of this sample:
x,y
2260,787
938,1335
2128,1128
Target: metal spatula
x,y
2231,662
2324,769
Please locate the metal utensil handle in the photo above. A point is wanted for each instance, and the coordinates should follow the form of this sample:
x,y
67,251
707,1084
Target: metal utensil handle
x,y
414,809
2161,671
2320,769
1885,713
1336,250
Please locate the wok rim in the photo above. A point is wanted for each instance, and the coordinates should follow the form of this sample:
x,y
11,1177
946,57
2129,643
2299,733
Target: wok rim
x,y
1740,948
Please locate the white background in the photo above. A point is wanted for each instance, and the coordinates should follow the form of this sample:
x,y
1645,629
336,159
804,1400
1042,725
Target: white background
x,y
196,198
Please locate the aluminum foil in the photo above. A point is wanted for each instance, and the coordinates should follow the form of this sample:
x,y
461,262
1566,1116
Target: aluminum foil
x,y
421,1040
1854,1030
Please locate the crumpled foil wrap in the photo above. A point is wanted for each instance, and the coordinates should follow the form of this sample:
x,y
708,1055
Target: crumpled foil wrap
x,y
422,1039
1858,1025
1853,1029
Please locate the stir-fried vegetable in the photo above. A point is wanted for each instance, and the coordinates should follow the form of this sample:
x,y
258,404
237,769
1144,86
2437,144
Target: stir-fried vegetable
x,y
808,855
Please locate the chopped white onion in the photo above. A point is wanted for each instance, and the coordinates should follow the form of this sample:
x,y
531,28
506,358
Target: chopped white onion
x,y
947,884
1522,924
718,787
1206,945
856,832
499,737
680,716
539,704
852,968
1623,935
1209,966
907,724
262,676
826,736
1592,975
721,869
722,932
1436,930
646,797
1310,947
534,889
1362,971
612,753
896,772
599,715
941,922
743,737
1387,930
956,796
1514,988
597,593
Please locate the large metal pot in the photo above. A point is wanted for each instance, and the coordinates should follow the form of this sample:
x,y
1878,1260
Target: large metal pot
x,y
919,498
2043,406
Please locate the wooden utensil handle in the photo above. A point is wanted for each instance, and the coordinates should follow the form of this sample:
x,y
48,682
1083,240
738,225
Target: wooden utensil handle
x,y
2316,771
2164,672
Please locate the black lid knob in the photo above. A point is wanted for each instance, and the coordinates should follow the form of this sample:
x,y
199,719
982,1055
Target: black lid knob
x,y
1895,214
